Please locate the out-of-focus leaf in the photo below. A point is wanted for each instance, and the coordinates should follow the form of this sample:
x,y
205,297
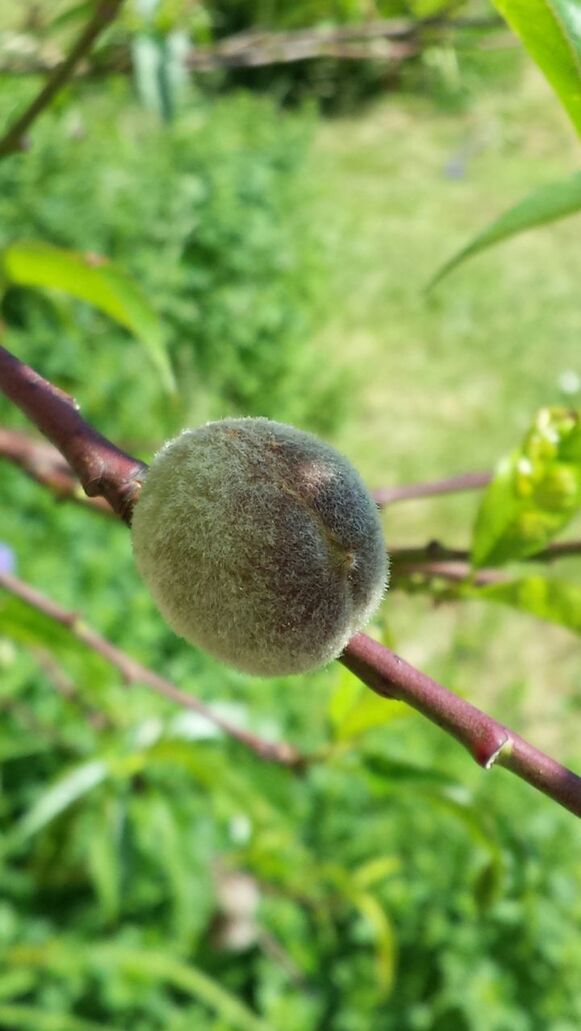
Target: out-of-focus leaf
x,y
488,885
534,492
103,853
344,697
19,748
21,623
375,915
149,966
152,966
91,278
14,1016
72,15
354,709
15,983
61,795
374,870
396,772
551,32
172,858
558,601
547,204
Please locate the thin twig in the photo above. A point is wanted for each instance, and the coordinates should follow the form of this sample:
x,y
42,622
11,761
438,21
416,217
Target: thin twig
x,y
45,465
14,139
451,485
454,571
384,672
132,672
434,551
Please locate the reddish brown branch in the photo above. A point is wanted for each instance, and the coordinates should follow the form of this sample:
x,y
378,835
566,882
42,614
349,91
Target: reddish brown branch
x,y
454,563
133,672
384,672
14,138
451,485
45,465
490,743
454,571
103,469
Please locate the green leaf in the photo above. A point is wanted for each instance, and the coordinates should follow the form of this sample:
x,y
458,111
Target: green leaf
x,y
91,278
19,622
13,1016
396,772
534,493
557,601
374,870
103,855
150,966
547,204
354,709
376,917
551,32
61,795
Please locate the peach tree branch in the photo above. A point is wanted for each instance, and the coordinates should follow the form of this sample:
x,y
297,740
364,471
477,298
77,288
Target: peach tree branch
x,y
104,469
489,742
385,496
45,465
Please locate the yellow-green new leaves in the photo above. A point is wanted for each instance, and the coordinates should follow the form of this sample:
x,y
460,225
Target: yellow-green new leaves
x,y
557,601
534,493
551,32
91,278
353,710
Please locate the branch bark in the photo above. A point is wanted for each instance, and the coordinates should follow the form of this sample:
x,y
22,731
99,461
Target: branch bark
x,y
103,469
44,464
488,741
451,485
14,138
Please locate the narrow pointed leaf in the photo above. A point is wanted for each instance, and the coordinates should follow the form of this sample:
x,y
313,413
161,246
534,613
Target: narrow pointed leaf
x,y
547,204
61,795
551,32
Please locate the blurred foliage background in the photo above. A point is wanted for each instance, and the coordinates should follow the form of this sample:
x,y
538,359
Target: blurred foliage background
x,y
282,222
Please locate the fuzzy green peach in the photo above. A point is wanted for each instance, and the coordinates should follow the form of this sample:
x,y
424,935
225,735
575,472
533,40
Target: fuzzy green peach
x,y
260,544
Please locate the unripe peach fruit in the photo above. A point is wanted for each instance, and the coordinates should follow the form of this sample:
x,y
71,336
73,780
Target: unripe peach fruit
x,y
260,544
